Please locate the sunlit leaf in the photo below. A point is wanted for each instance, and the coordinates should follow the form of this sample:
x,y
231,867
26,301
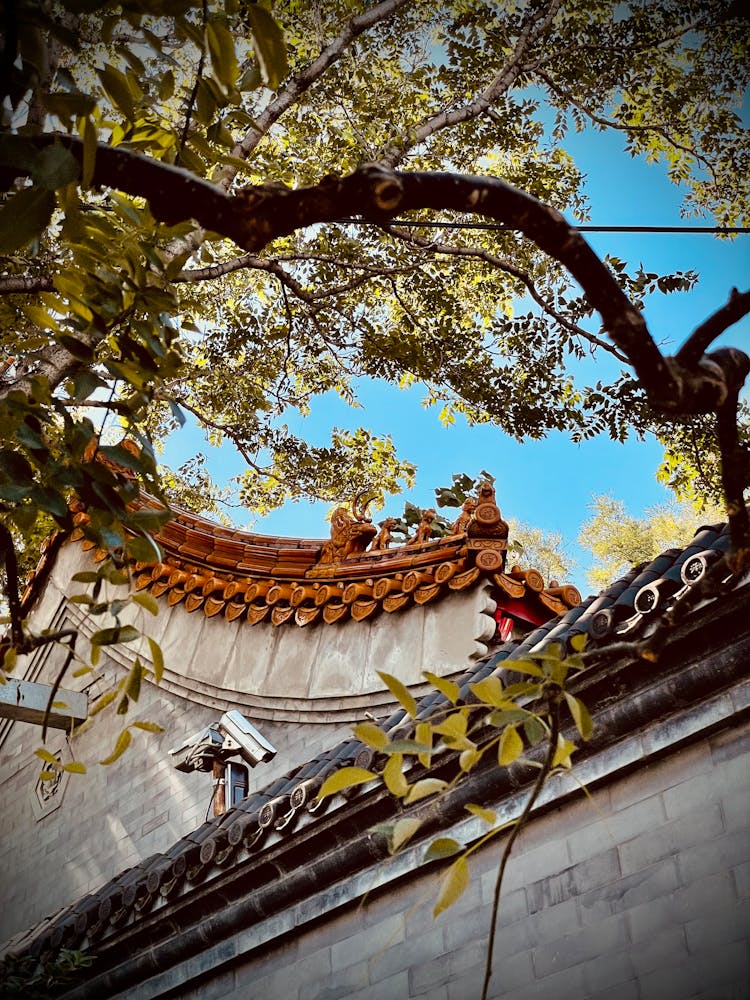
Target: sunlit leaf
x,y
148,727
74,767
345,777
121,745
399,692
393,776
447,687
427,786
453,885
146,600
371,735
403,830
510,748
487,815
442,847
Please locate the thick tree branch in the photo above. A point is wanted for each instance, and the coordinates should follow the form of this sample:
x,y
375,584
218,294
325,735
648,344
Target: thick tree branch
x,y
535,24
12,284
704,335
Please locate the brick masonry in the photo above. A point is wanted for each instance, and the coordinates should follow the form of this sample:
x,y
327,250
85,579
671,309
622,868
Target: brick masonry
x,y
643,892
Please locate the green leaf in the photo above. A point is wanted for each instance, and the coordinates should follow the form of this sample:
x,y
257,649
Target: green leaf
x,y
55,167
223,57
511,746
148,727
403,830
534,729
346,777
371,735
143,548
270,49
449,688
427,786
407,746
119,89
157,658
147,601
453,885
393,776
24,217
488,815
442,847
132,685
9,660
121,745
580,715
111,636
399,692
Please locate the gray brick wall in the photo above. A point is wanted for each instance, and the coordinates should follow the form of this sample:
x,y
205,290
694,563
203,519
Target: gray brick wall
x,y
642,893
113,817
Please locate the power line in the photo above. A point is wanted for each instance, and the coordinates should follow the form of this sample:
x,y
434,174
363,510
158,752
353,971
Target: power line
x,y
500,227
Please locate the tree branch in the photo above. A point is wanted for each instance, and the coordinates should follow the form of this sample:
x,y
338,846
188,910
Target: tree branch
x,y
302,81
533,27
704,335
12,284
514,271
623,127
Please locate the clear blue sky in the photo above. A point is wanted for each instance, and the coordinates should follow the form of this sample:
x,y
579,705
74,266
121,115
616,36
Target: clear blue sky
x,y
546,483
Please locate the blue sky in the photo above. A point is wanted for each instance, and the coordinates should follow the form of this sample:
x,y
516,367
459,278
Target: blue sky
x,y
546,483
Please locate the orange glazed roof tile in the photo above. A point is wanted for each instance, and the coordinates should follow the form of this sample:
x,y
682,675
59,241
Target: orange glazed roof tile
x,y
300,581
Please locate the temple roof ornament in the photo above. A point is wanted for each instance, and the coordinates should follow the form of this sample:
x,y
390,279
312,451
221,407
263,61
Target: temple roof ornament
x,y
355,574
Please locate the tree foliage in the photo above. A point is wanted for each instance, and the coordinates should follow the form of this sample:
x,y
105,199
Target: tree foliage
x,y
618,541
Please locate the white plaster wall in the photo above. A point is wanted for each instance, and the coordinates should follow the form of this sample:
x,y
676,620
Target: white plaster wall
x,y
323,672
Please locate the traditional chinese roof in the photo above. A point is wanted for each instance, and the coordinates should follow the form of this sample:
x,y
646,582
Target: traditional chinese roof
x,y
248,577
247,842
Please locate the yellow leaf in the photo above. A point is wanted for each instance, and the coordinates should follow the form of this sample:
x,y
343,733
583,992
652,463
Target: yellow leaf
x,y
468,759
562,754
74,767
486,814
450,689
157,659
399,692
526,667
578,642
442,847
100,703
346,777
421,789
491,692
453,885
46,756
371,735
393,776
121,745
511,746
403,830
9,660
149,727
580,715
